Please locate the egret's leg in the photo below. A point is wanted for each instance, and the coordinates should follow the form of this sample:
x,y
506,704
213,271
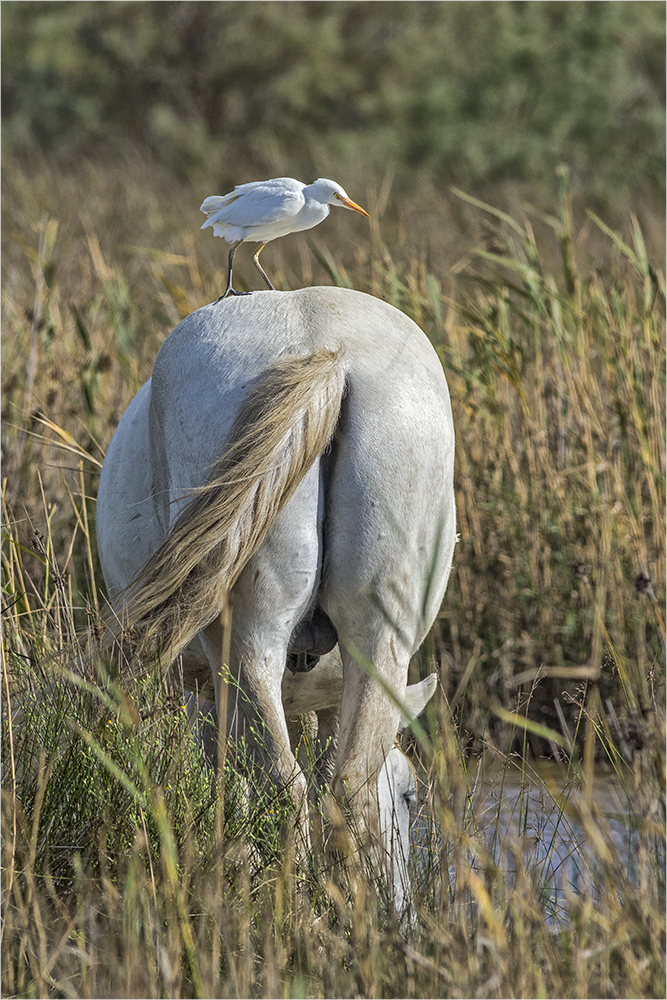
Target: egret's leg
x,y
259,267
230,262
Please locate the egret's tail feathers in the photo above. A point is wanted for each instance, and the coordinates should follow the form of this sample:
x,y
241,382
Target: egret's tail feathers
x,y
283,427
213,204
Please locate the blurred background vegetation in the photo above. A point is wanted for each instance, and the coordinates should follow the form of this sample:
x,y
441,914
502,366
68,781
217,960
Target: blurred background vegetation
x,y
434,93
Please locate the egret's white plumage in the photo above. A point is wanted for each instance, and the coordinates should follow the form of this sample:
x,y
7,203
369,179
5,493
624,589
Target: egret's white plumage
x,y
262,211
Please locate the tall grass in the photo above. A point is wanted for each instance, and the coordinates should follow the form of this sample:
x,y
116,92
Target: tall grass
x,y
559,382
125,873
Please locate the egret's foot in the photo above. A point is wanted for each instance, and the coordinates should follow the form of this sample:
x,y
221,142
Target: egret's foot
x,y
231,291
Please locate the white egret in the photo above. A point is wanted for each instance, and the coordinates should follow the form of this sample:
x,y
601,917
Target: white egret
x,y
262,211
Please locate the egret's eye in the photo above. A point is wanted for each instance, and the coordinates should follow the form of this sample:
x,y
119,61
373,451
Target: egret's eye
x,y
336,195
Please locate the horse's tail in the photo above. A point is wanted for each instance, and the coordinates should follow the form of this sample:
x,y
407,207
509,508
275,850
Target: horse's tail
x,y
284,425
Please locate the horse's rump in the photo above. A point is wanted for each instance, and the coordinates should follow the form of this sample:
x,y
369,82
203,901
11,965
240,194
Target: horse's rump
x,y
283,426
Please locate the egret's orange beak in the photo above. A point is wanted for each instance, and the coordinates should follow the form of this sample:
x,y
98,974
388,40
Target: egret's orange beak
x,y
348,203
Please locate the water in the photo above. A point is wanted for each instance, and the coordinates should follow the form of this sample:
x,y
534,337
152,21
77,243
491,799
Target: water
x,y
541,821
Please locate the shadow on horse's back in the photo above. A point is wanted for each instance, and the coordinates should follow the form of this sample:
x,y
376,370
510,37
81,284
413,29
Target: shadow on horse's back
x,y
293,450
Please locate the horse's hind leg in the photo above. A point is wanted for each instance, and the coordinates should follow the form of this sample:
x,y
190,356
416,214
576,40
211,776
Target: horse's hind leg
x,y
270,597
251,703
369,718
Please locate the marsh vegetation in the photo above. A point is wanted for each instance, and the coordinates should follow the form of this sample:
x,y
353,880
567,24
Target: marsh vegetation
x,y
125,873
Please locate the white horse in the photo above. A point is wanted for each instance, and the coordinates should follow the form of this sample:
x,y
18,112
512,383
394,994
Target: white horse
x,y
292,453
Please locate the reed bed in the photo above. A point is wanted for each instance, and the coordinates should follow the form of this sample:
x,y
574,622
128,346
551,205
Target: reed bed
x,y
125,872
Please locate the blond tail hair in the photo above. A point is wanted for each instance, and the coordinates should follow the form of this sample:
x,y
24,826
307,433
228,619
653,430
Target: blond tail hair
x,y
284,425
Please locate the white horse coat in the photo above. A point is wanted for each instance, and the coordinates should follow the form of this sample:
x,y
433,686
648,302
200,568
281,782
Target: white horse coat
x,y
351,503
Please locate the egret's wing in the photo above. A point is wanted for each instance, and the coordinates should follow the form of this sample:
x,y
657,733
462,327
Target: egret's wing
x,y
261,206
257,203
276,183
